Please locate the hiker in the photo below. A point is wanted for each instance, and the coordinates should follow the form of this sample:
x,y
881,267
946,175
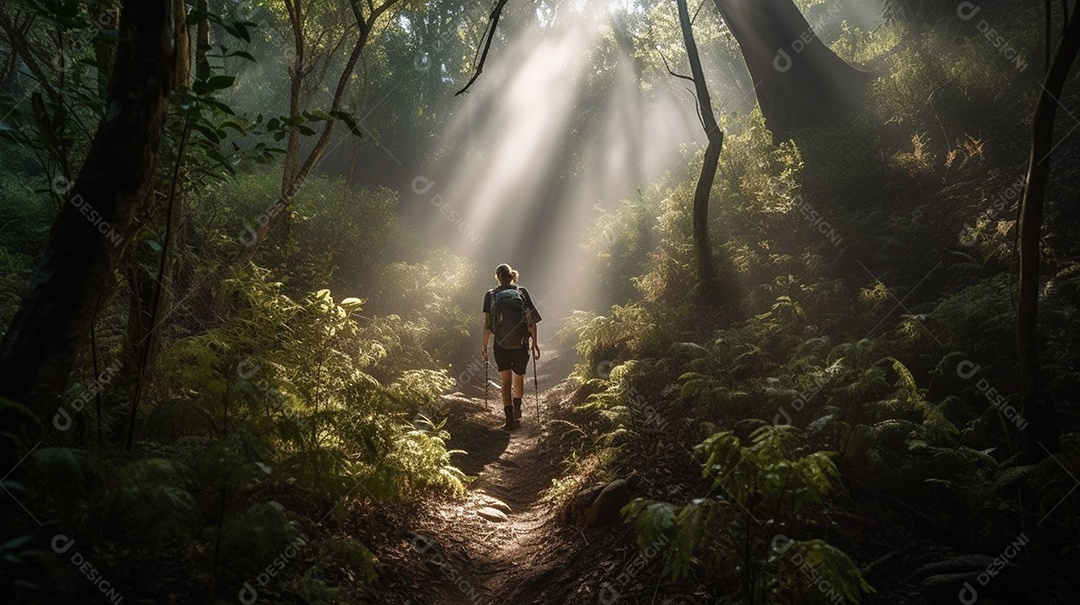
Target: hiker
x,y
511,316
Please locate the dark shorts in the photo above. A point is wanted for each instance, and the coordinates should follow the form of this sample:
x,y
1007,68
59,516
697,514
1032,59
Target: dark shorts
x,y
511,359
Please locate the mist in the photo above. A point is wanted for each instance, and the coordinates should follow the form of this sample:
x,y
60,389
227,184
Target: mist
x,y
540,145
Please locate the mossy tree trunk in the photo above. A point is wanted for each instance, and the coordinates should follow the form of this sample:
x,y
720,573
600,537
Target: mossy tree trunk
x,y
92,228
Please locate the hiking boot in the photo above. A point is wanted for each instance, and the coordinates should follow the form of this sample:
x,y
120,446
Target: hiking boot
x,y
517,408
511,421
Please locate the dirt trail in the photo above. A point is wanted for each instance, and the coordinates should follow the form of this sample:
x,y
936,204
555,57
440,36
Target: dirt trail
x,y
456,552
478,555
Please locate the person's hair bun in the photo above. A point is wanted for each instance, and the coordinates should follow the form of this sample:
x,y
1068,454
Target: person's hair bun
x,y
506,274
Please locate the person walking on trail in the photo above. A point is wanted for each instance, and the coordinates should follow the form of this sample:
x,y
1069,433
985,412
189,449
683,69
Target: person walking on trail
x,y
510,317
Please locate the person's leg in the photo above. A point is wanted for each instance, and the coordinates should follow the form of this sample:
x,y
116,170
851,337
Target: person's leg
x,y
519,385
519,382
508,406
505,375
503,361
519,366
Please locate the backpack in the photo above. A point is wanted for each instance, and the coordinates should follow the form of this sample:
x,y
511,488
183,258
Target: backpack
x,y
508,322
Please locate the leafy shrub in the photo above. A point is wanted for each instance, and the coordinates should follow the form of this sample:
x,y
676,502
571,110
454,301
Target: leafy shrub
x,y
775,483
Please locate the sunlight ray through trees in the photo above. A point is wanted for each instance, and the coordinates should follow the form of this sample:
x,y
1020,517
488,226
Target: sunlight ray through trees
x,y
557,101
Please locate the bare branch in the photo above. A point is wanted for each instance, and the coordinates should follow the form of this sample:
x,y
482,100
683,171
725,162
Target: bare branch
x,y
697,109
359,16
699,7
492,25
668,67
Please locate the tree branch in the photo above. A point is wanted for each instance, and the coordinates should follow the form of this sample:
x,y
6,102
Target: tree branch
x,y
668,68
492,25
293,184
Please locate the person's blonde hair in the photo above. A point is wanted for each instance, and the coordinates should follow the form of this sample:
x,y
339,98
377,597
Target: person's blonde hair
x,y
505,274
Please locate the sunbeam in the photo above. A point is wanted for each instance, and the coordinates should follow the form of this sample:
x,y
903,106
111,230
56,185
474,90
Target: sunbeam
x,y
541,141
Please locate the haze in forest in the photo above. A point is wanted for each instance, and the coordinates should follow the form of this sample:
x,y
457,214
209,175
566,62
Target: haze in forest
x,y
552,133
808,272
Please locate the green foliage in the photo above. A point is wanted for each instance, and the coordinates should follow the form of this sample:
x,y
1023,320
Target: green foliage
x,y
621,242
767,476
257,535
309,385
21,558
18,427
824,567
633,331
270,403
775,482
619,404
427,312
253,429
25,212
1055,479
63,476
352,558
149,499
338,234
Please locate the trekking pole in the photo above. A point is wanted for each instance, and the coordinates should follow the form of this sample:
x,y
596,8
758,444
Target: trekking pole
x,y
536,393
487,401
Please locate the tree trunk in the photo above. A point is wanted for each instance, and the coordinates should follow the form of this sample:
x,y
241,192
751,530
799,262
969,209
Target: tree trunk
x,y
202,42
39,348
296,83
706,268
1041,433
799,81
293,178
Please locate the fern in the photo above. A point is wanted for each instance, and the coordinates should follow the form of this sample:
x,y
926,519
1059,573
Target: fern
x,y
775,477
149,499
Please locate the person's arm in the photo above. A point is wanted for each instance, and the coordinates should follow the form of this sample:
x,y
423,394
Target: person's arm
x,y
533,317
487,335
535,343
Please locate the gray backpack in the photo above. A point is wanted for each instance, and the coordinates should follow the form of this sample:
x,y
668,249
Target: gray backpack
x,y
508,322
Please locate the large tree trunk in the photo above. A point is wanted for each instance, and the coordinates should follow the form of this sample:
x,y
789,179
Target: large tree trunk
x,y
1040,435
706,268
39,348
152,293
799,81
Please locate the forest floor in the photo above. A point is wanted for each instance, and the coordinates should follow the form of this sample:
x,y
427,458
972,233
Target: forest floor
x,y
457,550
462,551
